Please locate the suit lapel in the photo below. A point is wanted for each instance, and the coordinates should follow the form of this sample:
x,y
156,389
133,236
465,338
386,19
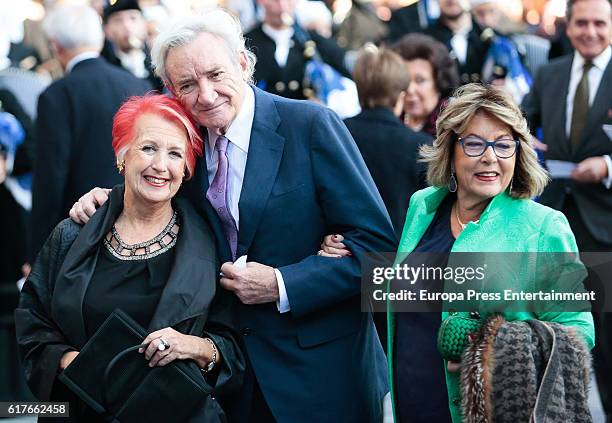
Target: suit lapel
x,y
263,160
600,106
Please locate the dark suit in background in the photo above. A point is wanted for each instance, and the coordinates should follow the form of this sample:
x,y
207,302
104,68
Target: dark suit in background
x,y
305,178
407,19
288,81
108,53
592,224
390,150
588,207
73,140
471,70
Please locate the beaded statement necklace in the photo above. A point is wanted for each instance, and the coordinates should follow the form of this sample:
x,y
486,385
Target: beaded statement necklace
x,y
144,250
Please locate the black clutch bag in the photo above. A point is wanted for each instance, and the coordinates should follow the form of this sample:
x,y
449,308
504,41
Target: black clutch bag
x,y
115,380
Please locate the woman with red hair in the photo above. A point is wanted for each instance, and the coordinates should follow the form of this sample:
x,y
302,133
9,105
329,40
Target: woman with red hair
x,y
144,252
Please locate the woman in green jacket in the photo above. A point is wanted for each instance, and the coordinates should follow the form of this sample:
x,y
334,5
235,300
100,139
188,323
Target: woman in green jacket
x,y
483,172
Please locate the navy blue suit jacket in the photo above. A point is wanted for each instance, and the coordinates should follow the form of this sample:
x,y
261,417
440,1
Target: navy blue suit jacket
x,y
305,178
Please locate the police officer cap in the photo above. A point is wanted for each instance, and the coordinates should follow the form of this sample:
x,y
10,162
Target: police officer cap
x,y
115,6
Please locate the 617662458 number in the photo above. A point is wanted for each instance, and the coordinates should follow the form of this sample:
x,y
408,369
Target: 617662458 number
x,y
48,409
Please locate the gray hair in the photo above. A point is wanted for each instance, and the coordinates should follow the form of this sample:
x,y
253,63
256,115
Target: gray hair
x,y
74,26
218,22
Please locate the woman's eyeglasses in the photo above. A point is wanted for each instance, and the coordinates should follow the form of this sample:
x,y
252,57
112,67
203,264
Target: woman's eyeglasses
x,y
474,146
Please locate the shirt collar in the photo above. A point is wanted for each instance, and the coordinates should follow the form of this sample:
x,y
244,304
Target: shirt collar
x,y
79,58
277,34
600,62
239,131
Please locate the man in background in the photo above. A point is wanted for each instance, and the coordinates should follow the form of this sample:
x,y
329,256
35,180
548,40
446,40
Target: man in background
x,y
283,50
125,29
575,131
461,35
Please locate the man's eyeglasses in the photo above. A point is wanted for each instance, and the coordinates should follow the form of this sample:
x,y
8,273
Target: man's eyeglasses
x,y
474,146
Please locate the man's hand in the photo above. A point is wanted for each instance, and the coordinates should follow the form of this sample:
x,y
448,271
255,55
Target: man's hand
x,y
83,209
590,171
254,284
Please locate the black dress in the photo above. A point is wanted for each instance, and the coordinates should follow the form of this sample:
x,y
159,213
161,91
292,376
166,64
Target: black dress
x,y
420,383
133,286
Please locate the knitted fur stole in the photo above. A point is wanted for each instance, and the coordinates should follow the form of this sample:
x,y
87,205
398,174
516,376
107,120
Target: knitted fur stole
x,y
525,371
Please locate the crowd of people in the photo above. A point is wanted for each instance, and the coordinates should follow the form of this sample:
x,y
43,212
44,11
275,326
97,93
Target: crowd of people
x,y
223,175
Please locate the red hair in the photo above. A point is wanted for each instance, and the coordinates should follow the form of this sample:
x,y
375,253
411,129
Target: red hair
x,y
159,105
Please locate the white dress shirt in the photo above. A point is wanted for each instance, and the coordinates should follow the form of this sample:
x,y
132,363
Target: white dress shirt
x,y
283,40
459,43
134,61
594,76
239,136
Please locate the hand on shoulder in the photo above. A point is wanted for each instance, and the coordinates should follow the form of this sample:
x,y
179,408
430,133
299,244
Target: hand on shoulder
x,y
87,205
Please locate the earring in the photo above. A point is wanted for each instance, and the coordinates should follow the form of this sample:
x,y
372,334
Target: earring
x,y
121,166
510,188
452,182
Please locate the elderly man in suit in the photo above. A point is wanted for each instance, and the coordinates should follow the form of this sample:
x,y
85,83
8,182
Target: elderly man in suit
x,y
278,175
574,130
73,127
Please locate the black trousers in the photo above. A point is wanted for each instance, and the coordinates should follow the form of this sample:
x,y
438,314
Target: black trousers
x,y
602,353
250,405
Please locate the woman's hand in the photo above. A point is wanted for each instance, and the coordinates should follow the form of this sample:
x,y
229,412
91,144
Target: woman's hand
x,y
182,347
332,246
67,358
453,366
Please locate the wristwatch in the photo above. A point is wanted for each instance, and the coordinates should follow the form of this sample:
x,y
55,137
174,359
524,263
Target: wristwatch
x,y
211,365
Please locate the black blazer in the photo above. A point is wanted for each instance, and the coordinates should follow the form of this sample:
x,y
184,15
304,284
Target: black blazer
x,y
477,49
390,151
288,81
108,53
73,151
543,109
407,19
49,320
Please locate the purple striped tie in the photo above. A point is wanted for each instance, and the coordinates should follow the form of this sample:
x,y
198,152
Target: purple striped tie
x,y
217,195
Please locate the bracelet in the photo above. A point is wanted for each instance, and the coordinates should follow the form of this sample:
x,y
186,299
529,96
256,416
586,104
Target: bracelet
x,y
210,366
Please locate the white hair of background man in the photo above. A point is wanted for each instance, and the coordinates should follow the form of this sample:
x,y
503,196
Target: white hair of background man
x,y
74,26
217,22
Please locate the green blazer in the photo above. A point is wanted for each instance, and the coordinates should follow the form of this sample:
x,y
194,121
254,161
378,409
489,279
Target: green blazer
x,y
506,225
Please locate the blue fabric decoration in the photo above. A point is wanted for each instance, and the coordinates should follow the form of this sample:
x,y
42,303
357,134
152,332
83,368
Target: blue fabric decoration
x,y
11,132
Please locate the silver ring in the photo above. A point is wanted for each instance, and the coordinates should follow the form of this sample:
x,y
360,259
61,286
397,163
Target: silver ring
x,y
320,252
163,345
